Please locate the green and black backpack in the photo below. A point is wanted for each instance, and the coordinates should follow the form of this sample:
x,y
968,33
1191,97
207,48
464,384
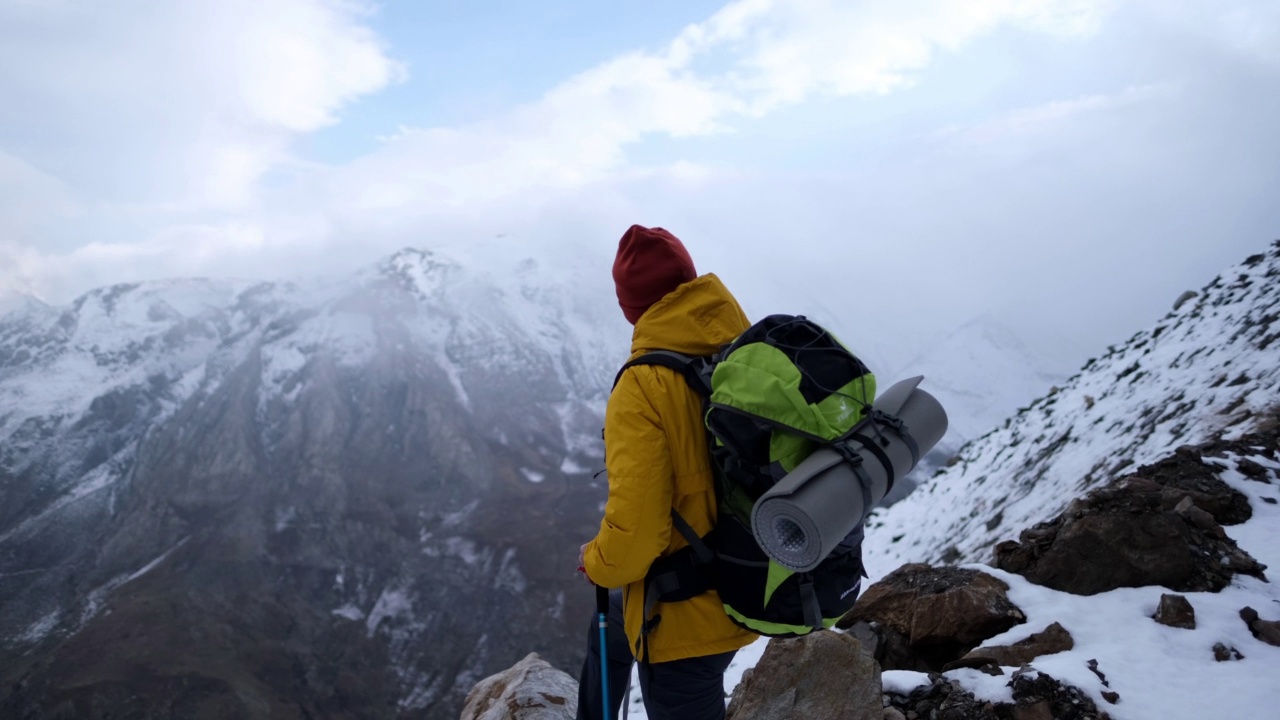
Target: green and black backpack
x,y
782,389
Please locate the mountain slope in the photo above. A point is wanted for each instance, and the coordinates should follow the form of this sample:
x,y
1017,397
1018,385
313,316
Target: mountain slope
x,y
1202,371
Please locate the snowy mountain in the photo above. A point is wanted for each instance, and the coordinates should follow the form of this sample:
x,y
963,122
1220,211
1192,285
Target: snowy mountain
x,y
333,497
1205,369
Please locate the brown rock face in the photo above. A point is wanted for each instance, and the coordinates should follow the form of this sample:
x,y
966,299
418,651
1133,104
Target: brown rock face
x,y
1053,639
1176,611
530,690
924,617
821,675
1159,526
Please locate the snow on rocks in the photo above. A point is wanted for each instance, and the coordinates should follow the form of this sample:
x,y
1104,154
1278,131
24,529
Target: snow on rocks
x,y
1124,658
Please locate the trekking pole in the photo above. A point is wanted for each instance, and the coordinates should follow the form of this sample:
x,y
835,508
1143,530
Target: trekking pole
x,y
602,615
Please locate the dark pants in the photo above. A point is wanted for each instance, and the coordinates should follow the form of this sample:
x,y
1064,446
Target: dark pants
x,y
689,689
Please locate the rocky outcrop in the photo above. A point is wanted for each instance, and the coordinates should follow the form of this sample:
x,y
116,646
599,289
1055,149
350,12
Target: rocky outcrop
x,y
1162,525
530,690
820,675
1036,696
921,617
1053,639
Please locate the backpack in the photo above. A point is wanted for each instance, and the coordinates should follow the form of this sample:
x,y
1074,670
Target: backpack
x,y
783,389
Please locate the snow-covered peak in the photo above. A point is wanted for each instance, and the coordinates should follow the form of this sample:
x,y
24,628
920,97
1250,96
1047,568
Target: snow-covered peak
x,y
425,273
1202,371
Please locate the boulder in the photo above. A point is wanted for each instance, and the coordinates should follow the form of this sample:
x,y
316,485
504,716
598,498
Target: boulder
x,y
1053,639
820,675
924,617
1160,526
1175,611
529,690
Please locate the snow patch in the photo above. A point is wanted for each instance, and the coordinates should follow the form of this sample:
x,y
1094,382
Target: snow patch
x,y
350,612
392,603
152,565
39,629
509,576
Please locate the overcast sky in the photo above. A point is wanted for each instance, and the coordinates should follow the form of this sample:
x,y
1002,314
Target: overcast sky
x,y
1067,167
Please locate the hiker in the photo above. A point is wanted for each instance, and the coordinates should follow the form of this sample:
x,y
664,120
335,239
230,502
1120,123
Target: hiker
x,y
657,460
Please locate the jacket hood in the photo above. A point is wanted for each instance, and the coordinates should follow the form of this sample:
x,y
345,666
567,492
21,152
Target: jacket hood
x,y
695,319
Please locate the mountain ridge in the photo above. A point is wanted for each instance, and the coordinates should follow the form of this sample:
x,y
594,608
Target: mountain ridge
x,y
1184,389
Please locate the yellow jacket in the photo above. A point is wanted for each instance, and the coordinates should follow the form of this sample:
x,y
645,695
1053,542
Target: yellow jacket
x,y
656,457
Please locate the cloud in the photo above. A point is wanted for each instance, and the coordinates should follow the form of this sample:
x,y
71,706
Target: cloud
x,y
178,105
751,58
931,158
1051,116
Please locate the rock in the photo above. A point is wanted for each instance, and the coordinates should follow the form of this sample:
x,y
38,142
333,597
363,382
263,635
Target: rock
x,y
1159,526
1183,298
1039,710
1268,631
1053,639
1222,653
863,633
926,617
1093,667
1175,611
530,690
1111,696
1065,702
1102,552
891,713
1036,696
1253,470
820,675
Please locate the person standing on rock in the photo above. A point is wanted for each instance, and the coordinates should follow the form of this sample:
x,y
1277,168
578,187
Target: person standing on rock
x,y
657,460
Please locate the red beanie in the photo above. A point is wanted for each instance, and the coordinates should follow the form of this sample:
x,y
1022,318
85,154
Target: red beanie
x,y
651,262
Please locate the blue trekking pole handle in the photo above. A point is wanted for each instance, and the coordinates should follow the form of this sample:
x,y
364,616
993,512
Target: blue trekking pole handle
x,y
602,617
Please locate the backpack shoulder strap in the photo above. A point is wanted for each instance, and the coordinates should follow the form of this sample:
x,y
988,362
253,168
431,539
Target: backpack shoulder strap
x,y
695,369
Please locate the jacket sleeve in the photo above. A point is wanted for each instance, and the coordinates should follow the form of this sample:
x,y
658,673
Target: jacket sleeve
x,y
636,527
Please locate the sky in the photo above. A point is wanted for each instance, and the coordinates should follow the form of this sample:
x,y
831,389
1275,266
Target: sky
x,y
1064,167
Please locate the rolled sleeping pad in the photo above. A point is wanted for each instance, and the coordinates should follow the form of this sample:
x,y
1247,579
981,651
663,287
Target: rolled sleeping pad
x,y
802,518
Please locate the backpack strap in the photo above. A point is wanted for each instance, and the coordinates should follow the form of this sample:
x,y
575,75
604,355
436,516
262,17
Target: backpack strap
x,y
809,602
683,574
696,369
